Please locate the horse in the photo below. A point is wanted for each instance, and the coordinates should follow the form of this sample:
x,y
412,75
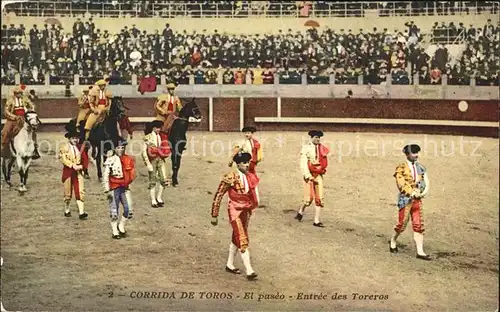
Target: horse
x,y
103,134
177,135
21,150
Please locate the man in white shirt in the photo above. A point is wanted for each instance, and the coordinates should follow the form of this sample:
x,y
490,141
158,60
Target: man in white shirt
x,y
313,164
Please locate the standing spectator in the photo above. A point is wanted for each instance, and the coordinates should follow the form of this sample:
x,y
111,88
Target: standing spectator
x,y
489,30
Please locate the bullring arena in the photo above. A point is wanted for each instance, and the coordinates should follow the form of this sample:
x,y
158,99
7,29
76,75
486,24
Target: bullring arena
x,y
173,258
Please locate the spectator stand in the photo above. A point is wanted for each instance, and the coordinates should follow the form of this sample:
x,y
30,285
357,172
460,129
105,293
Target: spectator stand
x,y
52,55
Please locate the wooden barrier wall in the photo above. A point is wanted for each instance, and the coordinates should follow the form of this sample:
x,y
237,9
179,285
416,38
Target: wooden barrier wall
x,y
230,114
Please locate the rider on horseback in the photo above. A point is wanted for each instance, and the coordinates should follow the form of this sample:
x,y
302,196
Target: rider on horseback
x,y
83,106
100,103
15,108
167,108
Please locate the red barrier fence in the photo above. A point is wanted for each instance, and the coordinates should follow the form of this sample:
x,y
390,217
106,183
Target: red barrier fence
x,y
480,118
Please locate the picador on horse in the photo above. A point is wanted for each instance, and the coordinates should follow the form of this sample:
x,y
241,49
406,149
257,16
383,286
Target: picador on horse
x,y
167,108
94,103
99,103
101,119
16,107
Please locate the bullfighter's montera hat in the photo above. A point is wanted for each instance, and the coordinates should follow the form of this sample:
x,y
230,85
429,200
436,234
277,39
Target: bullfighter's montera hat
x,y
314,133
72,133
156,124
249,129
242,157
411,148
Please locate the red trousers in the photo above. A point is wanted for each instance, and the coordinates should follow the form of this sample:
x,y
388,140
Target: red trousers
x,y
413,211
73,183
240,231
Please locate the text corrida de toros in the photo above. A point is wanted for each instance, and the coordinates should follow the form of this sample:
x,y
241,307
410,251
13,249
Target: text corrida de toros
x,y
250,296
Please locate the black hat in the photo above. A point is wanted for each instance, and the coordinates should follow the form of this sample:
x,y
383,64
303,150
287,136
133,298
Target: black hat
x,y
156,124
411,148
314,133
249,129
121,142
72,134
242,157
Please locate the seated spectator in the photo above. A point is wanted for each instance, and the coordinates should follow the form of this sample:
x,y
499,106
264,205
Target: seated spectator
x,y
268,76
400,77
181,76
199,76
239,77
424,76
228,76
435,75
210,76
486,76
457,76
289,76
249,76
382,74
351,76
258,76
315,77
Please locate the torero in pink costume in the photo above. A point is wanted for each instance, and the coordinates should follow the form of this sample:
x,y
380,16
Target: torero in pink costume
x,y
243,199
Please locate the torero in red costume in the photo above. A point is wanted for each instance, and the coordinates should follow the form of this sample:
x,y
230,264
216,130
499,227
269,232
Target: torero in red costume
x,y
243,199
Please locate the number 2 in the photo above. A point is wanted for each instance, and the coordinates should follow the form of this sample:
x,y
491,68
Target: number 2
x,y
110,294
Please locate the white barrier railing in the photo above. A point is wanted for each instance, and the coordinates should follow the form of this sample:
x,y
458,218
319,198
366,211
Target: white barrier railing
x,y
170,9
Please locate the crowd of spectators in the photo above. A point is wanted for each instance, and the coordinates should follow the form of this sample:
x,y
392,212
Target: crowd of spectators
x,y
373,54
195,8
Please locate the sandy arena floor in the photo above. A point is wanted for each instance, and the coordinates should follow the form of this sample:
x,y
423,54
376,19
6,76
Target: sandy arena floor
x,y
54,263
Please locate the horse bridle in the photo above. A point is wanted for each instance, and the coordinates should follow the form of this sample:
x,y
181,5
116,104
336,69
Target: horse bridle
x,y
27,121
192,109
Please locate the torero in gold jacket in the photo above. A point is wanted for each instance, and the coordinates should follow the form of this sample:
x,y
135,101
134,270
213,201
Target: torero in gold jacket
x,y
167,108
83,106
241,186
72,179
413,183
100,104
15,108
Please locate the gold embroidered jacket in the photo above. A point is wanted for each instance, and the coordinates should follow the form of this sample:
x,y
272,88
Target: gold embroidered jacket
x,y
14,103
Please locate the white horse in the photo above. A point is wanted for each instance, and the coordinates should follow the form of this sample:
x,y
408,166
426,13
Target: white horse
x,y
21,150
